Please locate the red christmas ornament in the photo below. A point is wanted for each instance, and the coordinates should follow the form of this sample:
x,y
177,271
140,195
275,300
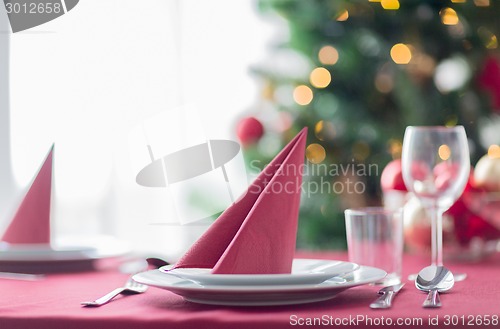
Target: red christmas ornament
x,y
468,223
392,177
249,131
460,207
489,79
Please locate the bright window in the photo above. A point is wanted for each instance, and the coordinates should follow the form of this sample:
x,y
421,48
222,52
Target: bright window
x,y
86,79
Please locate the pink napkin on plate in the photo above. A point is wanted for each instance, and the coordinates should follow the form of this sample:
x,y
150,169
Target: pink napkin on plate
x,y
31,223
257,234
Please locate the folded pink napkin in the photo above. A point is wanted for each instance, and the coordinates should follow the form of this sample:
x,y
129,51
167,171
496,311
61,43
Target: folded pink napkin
x,y
31,223
257,234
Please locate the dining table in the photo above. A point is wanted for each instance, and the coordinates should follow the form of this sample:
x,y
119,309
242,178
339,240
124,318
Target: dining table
x,y
54,303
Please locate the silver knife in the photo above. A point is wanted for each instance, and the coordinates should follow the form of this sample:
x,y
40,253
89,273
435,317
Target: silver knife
x,y
387,294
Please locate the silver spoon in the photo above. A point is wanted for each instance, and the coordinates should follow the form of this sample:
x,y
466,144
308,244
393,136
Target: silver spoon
x,y
434,279
458,277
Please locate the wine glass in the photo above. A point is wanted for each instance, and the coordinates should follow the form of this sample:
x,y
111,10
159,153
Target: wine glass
x,y
436,167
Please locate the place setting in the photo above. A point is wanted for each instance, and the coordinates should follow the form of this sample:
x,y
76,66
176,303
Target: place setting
x,y
28,247
246,258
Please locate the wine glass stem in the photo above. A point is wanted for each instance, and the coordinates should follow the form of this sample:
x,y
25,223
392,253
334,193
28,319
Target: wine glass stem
x,y
436,234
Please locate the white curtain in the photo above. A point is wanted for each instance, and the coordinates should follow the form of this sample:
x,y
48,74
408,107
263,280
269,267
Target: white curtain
x,y
85,80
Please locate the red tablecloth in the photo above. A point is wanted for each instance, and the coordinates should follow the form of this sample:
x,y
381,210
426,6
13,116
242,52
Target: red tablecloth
x,y
54,303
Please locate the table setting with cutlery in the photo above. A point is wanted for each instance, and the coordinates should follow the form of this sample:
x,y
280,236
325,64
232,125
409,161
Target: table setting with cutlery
x,y
245,270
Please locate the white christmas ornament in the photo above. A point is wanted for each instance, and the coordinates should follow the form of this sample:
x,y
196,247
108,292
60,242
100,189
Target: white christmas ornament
x,y
487,173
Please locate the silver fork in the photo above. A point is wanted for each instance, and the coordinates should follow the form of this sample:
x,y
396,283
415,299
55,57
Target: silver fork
x,y
130,287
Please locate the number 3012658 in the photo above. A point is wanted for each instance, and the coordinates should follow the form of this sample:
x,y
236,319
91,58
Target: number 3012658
x,y
33,8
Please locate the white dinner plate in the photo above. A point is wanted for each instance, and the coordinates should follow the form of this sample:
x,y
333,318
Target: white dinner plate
x,y
259,295
304,271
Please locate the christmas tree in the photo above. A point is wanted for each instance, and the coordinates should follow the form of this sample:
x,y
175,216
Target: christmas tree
x,y
357,73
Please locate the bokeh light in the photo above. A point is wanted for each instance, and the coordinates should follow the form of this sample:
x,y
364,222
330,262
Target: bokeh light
x,y
390,4
451,121
320,77
448,16
360,150
302,95
324,130
315,153
494,151
401,53
395,148
444,152
343,16
489,39
328,55
482,3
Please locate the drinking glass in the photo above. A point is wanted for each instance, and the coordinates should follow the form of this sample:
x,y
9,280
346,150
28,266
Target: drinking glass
x,y
375,238
436,167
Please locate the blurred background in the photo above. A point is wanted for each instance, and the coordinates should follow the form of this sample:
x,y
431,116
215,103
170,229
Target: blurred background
x,y
355,72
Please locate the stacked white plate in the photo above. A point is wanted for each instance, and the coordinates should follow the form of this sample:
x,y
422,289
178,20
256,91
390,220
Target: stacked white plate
x,y
70,255
311,280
